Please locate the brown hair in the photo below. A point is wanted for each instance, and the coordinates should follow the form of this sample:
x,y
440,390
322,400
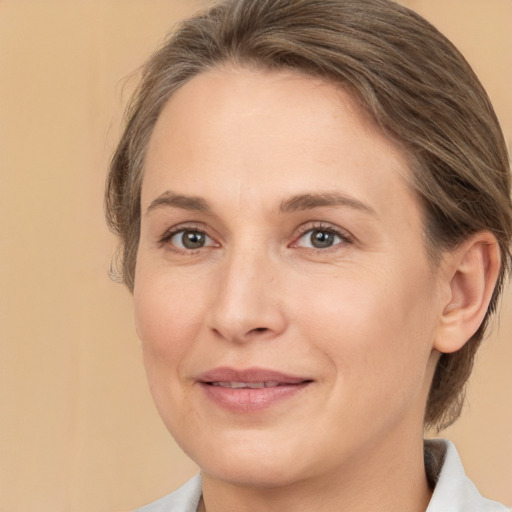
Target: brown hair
x,y
411,79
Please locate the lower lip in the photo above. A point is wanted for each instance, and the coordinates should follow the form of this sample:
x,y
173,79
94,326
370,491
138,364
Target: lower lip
x,y
251,400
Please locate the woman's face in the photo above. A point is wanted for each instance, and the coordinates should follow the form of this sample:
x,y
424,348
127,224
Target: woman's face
x,y
283,295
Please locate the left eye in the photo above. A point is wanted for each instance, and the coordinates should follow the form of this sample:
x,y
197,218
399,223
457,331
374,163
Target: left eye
x,y
319,239
190,239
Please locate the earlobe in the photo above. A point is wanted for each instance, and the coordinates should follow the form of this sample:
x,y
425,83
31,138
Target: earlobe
x,y
471,271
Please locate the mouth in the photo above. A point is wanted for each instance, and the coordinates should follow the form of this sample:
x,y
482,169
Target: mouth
x,y
250,390
246,385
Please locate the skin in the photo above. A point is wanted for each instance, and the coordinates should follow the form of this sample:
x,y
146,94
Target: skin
x,y
363,318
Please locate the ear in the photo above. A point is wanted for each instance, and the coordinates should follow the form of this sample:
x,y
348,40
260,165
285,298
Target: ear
x,y
470,272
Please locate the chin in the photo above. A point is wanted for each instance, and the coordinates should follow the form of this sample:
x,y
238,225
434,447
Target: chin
x,y
256,463
255,473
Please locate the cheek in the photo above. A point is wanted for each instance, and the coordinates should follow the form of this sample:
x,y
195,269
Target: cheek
x,y
167,317
376,327
167,322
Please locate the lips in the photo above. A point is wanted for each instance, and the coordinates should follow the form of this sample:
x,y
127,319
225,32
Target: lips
x,y
249,385
250,390
249,376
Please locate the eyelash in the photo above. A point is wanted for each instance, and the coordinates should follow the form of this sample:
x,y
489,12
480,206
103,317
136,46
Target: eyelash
x,y
164,241
344,236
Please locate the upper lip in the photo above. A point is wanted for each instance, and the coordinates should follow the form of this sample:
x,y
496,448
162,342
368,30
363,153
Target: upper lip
x,y
227,374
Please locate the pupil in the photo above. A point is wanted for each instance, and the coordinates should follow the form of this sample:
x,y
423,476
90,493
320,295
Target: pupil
x,y
322,239
193,239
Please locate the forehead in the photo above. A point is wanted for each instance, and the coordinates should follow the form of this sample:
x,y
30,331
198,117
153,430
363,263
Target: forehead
x,y
264,135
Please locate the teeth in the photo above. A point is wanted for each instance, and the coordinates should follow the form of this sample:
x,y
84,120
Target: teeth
x,y
250,385
255,385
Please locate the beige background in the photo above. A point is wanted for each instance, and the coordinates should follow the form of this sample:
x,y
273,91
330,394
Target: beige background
x,y
78,431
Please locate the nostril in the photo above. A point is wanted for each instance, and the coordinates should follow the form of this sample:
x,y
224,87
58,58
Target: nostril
x,y
259,329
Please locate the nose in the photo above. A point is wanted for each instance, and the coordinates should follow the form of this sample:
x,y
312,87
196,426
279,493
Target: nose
x,y
248,302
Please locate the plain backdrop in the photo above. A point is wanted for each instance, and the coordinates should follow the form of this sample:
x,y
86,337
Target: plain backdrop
x,y
78,430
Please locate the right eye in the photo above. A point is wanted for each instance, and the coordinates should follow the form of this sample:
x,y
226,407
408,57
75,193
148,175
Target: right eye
x,y
189,239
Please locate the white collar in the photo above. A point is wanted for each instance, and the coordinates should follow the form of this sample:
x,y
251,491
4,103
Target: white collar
x,y
454,491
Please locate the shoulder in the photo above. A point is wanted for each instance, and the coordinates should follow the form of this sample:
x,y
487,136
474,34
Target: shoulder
x,y
453,490
185,499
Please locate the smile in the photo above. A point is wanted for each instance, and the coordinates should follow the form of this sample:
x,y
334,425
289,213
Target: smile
x,y
242,385
251,390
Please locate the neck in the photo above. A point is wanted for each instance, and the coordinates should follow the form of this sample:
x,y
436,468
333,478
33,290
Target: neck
x,y
374,480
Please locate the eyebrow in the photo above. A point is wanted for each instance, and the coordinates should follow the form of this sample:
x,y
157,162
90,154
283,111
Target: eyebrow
x,y
303,202
169,199
300,202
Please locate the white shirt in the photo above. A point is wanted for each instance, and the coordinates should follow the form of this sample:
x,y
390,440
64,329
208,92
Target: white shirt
x,y
453,491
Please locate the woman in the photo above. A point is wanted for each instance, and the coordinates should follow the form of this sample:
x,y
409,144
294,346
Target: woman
x,y
313,198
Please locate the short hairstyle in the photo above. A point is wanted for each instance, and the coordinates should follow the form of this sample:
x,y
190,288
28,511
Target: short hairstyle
x,y
415,84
